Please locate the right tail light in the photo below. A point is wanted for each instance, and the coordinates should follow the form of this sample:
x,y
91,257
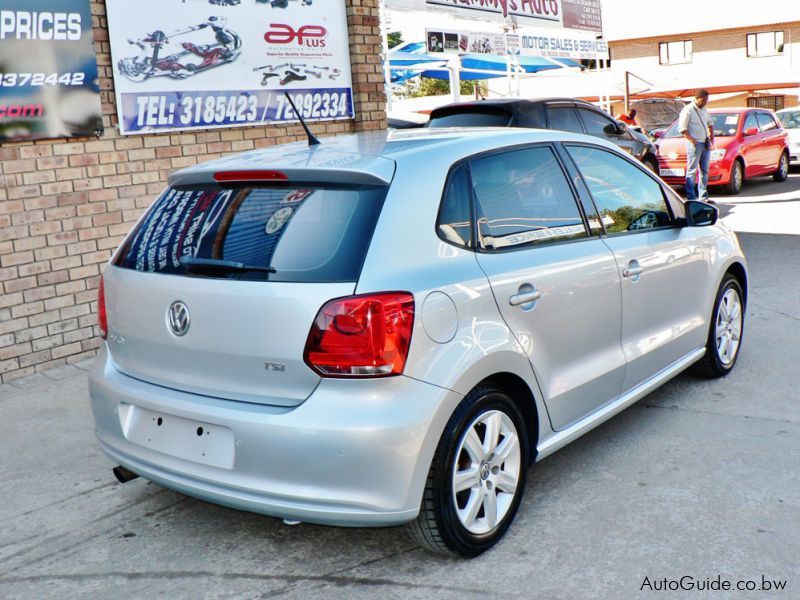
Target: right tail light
x,y
362,336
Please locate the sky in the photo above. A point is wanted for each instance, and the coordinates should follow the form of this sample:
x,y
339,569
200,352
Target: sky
x,y
645,18
636,18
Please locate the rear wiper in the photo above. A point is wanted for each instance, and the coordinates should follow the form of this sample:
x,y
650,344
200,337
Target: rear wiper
x,y
206,265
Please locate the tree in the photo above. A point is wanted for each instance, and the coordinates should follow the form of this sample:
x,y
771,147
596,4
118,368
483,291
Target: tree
x,y
395,38
427,86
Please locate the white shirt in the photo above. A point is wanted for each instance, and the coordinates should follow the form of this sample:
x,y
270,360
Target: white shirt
x,y
694,120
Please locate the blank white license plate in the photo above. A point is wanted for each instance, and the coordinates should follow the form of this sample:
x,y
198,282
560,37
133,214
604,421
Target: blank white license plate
x,y
672,172
182,438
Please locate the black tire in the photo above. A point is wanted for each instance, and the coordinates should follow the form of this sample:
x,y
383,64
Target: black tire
x,y
712,365
782,174
438,527
736,182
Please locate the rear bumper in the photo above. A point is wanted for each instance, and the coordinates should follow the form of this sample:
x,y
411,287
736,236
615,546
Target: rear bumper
x,y
356,453
719,173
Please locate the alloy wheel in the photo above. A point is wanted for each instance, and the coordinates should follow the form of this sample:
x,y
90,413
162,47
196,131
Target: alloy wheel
x,y
738,176
486,472
728,326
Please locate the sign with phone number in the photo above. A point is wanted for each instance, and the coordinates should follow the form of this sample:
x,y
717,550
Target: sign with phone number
x,y
188,110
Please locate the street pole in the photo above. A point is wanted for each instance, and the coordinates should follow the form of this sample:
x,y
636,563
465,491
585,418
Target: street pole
x,y
455,78
508,59
627,92
387,68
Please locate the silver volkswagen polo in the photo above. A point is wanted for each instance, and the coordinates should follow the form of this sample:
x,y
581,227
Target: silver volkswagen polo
x,y
391,328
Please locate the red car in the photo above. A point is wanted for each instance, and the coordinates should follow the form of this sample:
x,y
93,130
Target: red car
x,y
749,142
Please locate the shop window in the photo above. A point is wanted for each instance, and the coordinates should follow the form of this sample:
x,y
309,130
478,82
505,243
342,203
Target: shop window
x,y
769,102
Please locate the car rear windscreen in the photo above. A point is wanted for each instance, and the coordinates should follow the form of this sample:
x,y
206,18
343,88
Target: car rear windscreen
x,y
307,234
470,117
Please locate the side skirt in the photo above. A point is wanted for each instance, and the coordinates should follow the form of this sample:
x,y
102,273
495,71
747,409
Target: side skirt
x,y
559,439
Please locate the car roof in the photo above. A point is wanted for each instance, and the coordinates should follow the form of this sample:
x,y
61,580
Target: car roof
x,y
510,102
372,157
735,109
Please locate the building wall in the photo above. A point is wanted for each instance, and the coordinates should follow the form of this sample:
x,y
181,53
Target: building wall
x,y
65,205
716,54
790,99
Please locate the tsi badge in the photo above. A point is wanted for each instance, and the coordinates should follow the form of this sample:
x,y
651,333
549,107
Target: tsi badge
x,y
178,319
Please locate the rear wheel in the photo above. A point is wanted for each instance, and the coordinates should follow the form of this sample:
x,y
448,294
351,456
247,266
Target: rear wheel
x,y
477,476
734,185
725,332
782,174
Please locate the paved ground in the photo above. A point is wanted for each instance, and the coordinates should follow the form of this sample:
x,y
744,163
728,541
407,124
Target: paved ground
x,y
700,479
763,206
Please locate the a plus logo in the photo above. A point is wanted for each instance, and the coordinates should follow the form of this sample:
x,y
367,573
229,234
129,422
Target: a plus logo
x,y
312,36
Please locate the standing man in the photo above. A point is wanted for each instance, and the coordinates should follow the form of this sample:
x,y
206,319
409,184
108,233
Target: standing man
x,y
695,125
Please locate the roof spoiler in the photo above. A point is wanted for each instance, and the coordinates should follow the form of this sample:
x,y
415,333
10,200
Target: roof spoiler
x,y
317,176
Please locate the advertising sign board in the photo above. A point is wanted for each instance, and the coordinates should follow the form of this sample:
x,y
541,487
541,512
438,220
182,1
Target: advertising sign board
x,y
549,43
583,14
526,12
48,70
562,14
189,64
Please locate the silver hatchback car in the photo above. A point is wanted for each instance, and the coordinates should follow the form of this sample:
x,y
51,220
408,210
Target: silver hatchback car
x,y
390,328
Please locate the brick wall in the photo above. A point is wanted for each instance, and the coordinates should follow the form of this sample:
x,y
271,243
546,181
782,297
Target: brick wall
x,y
66,204
708,41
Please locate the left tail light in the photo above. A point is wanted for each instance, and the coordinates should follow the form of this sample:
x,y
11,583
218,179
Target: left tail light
x,y
362,336
102,317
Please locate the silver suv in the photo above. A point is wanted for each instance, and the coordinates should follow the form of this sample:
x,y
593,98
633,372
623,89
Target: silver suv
x,y
390,328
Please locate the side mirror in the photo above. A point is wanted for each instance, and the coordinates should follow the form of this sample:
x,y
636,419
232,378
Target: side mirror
x,y
614,128
700,214
751,131
658,133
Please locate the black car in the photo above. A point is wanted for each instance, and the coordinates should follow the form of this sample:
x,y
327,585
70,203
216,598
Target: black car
x,y
566,114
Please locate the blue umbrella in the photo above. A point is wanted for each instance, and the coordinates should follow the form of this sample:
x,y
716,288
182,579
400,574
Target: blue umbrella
x,y
530,64
404,59
464,74
473,66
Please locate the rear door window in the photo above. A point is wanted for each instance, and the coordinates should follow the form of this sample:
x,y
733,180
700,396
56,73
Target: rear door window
x,y
307,234
564,118
523,198
533,115
766,122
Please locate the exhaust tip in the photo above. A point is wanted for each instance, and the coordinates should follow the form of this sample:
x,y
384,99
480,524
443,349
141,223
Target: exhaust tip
x,y
123,475
291,522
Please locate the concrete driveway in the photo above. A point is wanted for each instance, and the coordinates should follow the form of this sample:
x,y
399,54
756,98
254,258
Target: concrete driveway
x,y
699,479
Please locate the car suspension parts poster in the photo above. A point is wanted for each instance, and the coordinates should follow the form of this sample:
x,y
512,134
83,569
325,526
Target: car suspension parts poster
x,y
190,64
48,70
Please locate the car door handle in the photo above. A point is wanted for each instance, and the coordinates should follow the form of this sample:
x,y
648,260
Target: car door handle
x,y
524,298
632,270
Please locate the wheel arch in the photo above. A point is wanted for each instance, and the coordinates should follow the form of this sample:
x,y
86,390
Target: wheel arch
x,y
522,396
740,273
